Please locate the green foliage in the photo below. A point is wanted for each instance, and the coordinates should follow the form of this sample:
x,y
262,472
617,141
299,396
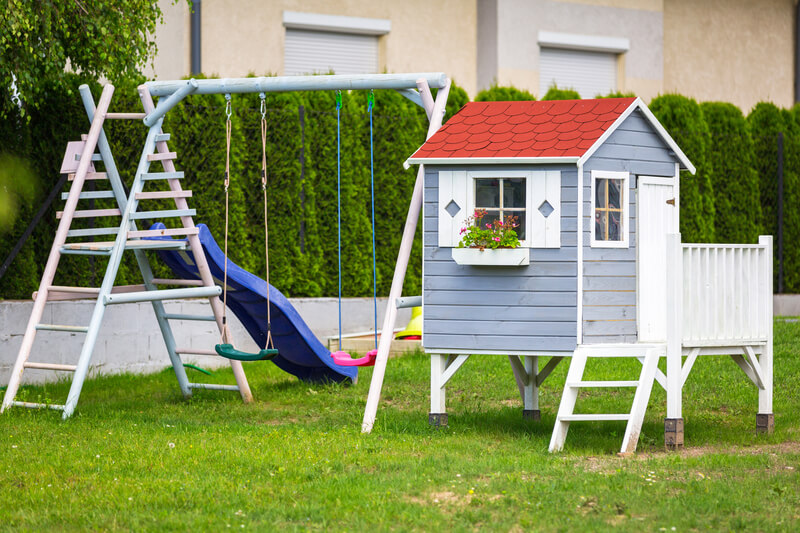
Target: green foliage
x,y
735,181
503,94
617,94
103,38
495,234
683,119
18,187
455,101
766,122
556,93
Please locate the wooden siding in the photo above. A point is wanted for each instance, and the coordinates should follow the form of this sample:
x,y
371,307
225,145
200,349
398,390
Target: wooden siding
x,y
609,274
501,309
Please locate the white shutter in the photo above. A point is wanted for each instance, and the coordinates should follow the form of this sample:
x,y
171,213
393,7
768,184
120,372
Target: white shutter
x,y
309,51
453,206
589,73
544,209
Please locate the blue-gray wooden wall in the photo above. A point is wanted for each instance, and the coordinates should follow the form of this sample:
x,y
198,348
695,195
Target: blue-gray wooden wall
x,y
609,274
502,309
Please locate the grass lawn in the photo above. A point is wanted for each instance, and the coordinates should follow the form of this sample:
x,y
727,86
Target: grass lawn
x,y
137,456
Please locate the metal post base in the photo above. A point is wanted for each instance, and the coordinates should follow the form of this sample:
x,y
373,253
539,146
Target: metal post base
x,y
765,423
532,414
673,433
437,419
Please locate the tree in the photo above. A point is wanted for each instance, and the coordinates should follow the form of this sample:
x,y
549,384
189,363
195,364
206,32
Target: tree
x,y
557,93
503,94
40,39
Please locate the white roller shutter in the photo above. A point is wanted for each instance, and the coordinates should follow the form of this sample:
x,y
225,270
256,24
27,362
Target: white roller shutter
x,y
309,51
589,73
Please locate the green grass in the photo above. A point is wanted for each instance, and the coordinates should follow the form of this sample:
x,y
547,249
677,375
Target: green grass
x,y
137,456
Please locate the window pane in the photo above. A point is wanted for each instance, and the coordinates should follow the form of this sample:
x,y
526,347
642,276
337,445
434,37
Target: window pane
x,y
599,225
614,226
490,217
614,193
487,193
520,229
514,192
600,193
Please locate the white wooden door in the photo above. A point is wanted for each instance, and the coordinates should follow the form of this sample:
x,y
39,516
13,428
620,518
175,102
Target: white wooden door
x,y
657,215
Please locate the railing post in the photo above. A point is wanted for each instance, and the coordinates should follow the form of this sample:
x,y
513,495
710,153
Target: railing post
x,y
765,419
673,424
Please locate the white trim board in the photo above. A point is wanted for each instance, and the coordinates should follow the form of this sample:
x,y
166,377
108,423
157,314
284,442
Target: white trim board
x,y
489,161
336,23
575,41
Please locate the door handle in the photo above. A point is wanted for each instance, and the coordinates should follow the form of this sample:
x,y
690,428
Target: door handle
x,y
671,201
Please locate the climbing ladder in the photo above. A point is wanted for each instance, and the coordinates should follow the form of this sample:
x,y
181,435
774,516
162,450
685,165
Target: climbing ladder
x,y
648,355
127,237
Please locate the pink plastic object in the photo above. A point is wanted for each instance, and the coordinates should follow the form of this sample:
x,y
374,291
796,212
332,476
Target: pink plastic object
x,y
344,359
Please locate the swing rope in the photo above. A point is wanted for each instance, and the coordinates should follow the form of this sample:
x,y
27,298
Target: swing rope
x,y
370,104
225,348
339,201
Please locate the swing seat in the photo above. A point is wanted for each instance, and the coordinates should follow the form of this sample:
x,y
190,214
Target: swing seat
x,y
229,352
344,359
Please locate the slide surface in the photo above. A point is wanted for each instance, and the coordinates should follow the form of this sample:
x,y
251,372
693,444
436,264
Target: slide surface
x,y
300,352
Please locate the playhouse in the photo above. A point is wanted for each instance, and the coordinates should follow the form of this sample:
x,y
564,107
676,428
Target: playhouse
x,y
594,185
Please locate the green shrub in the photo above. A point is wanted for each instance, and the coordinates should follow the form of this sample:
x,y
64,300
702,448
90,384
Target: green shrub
x,y
503,94
555,93
683,119
737,217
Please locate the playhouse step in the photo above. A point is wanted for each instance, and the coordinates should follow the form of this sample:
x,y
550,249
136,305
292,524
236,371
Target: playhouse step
x,y
160,195
31,405
92,213
92,232
50,366
59,327
609,384
166,294
171,213
593,417
165,156
90,195
162,175
91,176
105,247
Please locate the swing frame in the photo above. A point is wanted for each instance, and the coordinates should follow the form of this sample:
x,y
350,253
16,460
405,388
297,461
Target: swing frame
x,y
415,86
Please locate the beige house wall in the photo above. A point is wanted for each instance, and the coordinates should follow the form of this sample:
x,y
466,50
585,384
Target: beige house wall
x,y
738,51
240,37
173,39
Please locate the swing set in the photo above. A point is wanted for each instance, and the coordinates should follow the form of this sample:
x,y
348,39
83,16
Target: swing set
x,y
194,256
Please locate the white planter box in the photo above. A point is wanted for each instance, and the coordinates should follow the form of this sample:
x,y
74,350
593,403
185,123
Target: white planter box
x,y
496,257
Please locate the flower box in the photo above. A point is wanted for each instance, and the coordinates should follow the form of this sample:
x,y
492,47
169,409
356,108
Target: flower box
x,y
492,257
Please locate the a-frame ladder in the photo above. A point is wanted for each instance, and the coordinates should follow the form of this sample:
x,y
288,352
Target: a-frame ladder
x,y
128,237
648,355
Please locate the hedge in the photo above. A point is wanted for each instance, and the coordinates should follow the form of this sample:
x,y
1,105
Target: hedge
x,y
503,94
683,119
735,181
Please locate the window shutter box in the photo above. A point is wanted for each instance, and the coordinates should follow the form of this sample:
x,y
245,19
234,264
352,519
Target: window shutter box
x,y
492,257
544,208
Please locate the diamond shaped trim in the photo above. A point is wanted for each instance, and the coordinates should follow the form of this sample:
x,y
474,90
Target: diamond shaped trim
x,y
452,208
546,209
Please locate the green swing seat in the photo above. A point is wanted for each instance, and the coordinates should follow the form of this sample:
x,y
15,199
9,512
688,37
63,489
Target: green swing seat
x,y
229,352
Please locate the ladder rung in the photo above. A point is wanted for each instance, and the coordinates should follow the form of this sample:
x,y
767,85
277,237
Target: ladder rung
x,y
125,116
163,232
58,327
91,176
609,384
151,244
164,214
165,294
162,175
162,137
593,417
90,195
213,386
95,157
57,293
181,282
162,156
203,318
50,366
194,351
90,232
31,405
77,251
68,288
92,213
158,195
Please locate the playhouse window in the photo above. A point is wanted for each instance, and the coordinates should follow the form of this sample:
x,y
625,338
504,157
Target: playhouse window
x,y
610,197
500,198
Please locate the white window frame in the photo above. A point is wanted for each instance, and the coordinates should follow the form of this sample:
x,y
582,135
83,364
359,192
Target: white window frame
x,y
626,209
474,175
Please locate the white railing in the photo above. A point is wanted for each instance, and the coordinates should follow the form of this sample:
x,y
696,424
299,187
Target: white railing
x,y
726,296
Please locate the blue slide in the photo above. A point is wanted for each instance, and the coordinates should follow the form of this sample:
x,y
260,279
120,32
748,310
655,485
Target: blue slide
x,y
300,352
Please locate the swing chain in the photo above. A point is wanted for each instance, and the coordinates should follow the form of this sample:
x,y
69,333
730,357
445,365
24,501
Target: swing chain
x,y
370,100
263,97
228,106
338,99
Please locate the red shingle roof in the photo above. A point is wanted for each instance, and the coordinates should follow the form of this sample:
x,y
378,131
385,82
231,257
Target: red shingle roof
x,y
556,128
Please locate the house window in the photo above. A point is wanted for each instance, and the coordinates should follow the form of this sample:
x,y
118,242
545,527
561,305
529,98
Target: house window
x,y
502,198
610,207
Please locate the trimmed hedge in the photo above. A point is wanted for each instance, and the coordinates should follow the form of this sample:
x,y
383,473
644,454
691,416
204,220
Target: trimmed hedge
x,y
735,181
683,119
503,94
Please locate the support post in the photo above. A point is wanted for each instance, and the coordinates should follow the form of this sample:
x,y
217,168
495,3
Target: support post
x,y
403,255
673,424
765,419
438,414
530,399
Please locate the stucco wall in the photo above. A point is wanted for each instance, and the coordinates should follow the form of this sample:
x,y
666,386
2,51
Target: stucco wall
x,y
173,38
739,51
